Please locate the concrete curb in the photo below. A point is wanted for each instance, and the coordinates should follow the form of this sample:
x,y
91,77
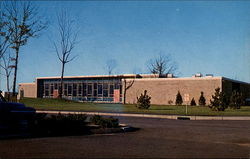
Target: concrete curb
x,y
150,115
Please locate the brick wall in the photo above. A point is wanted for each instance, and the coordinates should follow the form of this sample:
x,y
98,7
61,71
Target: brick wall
x,y
29,90
163,90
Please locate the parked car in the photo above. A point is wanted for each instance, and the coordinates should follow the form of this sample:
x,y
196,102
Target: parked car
x,y
15,114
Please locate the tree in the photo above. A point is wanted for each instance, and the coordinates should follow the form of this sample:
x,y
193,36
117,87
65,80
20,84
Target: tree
x,y
143,102
23,24
7,67
127,85
193,103
219,101
4,33
236,100
111,64
161,65
66,43
178,100
202,100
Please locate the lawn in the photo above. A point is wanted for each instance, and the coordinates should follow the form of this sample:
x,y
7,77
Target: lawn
x,y
56,104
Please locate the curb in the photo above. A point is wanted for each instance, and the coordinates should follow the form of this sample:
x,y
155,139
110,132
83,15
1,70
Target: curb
x,y
175,117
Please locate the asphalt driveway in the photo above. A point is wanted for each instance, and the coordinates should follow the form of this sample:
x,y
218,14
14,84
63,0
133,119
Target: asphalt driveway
x,y
157,138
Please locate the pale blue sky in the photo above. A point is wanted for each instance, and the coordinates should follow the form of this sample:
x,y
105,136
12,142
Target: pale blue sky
x,y
211,37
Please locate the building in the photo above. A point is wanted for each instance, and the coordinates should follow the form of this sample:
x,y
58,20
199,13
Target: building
x,y
117,88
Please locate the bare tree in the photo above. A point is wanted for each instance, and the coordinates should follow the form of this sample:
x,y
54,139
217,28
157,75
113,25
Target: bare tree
x,y
111,64
127,85
66,43
24,23
7,66
162,64
4,33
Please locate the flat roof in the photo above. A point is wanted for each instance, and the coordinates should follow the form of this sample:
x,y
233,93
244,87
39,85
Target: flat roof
x,y
145,77
105,76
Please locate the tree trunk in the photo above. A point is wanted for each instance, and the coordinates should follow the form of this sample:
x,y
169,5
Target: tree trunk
x,y
15,72
61,88
125,91
7,85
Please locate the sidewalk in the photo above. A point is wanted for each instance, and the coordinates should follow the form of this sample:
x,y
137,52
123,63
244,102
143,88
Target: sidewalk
x,y
150,115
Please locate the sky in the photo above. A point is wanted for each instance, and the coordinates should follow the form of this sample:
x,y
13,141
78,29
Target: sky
x,y
210,37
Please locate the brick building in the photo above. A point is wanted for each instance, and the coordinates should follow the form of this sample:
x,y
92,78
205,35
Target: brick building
x,y
112,89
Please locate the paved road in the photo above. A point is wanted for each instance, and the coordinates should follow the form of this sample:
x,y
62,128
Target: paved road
x,y
157,138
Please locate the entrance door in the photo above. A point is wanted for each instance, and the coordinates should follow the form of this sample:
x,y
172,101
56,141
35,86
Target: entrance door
x,y
116,95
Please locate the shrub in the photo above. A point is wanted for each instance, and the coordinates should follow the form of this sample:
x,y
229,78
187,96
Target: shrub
x,y
104,122
219,101
143,102
170,102
193,103
236,100
59,124
178,100
202,100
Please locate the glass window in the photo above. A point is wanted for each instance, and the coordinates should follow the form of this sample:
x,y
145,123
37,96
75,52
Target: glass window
x,y
51,89
111,89
80,90
65,86
120,89
55,85
95,93
65,92
95,85
74,92
90,89
116,86
84,85
105,86
46,93
74,86
69,89
105,93
84,92
46,86
99,89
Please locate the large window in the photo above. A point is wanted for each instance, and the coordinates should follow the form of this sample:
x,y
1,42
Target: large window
x,y
74,89
105,90
111,90
79,89
51,89
65,89
84,89
70,90
99,90
90,89
84,93
46,89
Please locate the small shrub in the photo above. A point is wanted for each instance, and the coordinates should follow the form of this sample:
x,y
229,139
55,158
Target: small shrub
x,y
178,100
59,124
202,100
236,100
143,102
105,122
170,102
193,103
219,101
95,119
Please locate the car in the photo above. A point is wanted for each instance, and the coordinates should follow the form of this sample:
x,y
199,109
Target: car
x,y
12,113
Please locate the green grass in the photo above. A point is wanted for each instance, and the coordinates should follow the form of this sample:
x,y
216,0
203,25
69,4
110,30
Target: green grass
x,y
57,104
